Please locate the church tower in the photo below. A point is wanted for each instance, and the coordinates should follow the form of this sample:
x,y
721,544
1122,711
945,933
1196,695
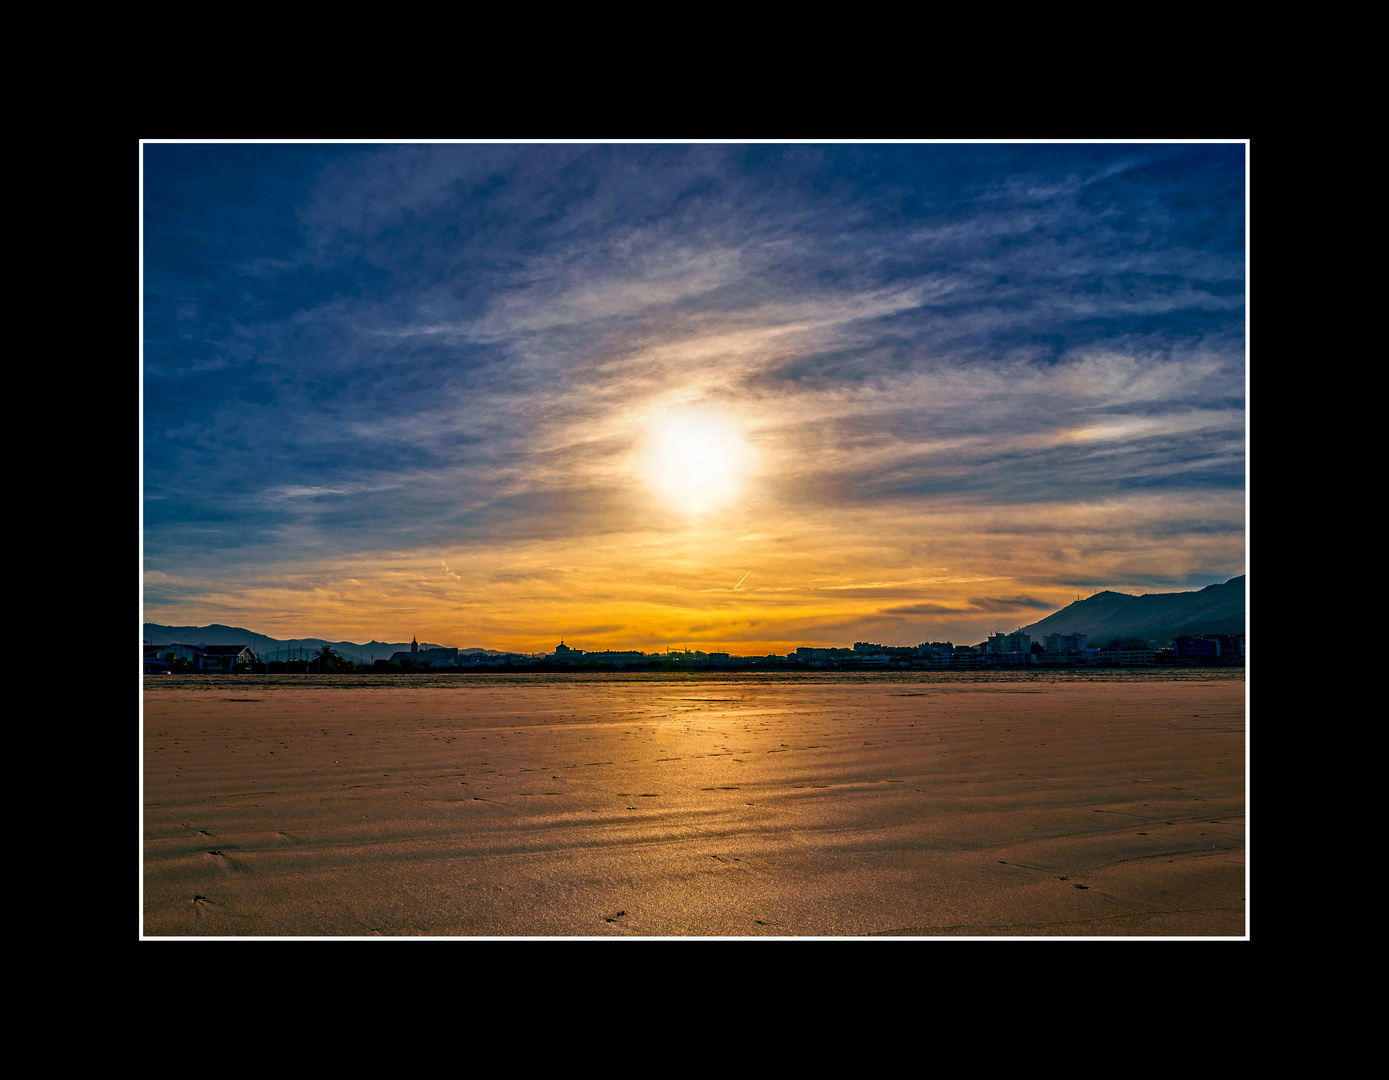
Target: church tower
x,y
414,646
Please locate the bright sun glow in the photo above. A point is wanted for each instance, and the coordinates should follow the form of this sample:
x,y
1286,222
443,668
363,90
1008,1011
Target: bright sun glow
x,y
695,458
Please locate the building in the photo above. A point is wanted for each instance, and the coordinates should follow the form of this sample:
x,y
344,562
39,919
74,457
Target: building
x,y
1128,657
154,664
618,657
1066,643
861,659
204,659
226,657
1016,642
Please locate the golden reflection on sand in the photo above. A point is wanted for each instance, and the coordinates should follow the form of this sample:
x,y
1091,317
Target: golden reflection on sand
x,y
1109,804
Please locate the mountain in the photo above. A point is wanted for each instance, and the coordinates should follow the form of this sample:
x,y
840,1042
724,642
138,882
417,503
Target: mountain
x,y
269,648
1155,617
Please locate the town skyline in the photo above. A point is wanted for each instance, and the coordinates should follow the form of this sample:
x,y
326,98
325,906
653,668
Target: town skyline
x,y
745,397
1216,611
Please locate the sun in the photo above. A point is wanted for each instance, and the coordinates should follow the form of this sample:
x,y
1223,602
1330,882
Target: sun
x,y
695,458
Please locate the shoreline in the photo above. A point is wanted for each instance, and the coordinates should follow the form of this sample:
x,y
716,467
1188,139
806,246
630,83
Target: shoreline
x,y
158,683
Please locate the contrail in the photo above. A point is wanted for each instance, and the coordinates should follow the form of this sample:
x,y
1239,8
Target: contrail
x,y
740,581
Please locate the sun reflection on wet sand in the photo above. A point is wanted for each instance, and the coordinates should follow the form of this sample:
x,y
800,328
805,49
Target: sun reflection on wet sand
x,y
650,805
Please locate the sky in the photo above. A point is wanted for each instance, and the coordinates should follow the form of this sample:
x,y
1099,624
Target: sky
x,y
733,398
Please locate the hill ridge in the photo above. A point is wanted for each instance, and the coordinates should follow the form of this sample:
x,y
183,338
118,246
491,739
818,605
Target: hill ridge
x,y
1155,617
266,647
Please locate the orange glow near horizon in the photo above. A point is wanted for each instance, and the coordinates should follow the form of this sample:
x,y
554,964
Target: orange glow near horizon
x,y
803,582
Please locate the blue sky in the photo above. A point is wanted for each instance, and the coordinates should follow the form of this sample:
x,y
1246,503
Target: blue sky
x,y
913,392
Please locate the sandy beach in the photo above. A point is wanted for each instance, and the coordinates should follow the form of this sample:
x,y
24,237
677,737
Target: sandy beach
x,y
1012,805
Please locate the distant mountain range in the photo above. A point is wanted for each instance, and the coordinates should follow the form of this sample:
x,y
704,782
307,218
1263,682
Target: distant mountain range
x,y
1155,617
269,648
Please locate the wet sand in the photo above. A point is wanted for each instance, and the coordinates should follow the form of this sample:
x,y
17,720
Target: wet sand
x,y
904,805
